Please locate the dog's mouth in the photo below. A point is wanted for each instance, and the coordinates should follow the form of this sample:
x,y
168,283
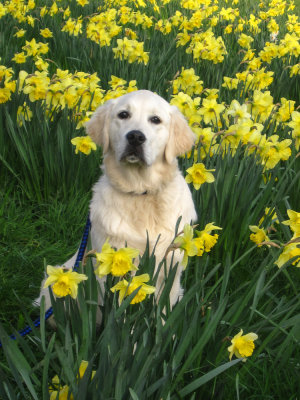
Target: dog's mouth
x,y
132,159
133,155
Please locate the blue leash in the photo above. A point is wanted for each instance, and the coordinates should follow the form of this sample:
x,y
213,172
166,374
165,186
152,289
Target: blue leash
x,y
23,332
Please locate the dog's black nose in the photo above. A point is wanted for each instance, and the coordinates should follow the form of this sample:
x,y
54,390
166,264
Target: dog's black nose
x,y
135,138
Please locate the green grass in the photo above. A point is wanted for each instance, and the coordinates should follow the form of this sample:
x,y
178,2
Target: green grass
x,y
30,233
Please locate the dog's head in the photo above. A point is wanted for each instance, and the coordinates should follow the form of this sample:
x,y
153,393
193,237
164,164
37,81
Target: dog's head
x,y
141,128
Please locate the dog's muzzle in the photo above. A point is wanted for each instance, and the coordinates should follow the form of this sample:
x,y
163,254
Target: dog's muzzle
x,y
134,152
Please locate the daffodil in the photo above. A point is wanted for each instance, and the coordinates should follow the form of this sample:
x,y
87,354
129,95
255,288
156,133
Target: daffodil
x,y
259,235
295,125
132,50
24,113
293,222
285,111
20,33
188,82
211,110
230,83
73,26
63,394
290,251
82,3
269,212
83,144
262,105
46,33
273,27
242,345
187,244
272,151
238,111
198,174
205,241
185,103
34,48
36,85
64,282
269,52
261,79
57,391
19,58
41,64
53,9
82,368
295,70
206,46
115,262
126,288
245,41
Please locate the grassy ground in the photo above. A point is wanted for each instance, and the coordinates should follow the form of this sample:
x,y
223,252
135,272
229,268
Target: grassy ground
x,y
32,232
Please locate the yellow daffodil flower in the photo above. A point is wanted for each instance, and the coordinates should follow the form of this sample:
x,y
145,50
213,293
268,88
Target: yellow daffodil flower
x,y
20,33
293,222
131,50
295,125
82,3
285,111
272,151
23,113
115,262
46,33
64,282
245,41
126,288
82,368
259,235
205,241
73,27
187,244
242,345
290,251
63,393
198,174
262,105
230,83
188,82
83,144
268,212
211,111
36,85
295,70
19,58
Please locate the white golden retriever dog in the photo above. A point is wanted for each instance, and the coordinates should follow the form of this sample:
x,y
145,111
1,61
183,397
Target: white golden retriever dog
x,y
141,192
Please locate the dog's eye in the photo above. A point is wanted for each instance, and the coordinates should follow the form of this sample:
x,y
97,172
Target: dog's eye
x,y
123,115
155,120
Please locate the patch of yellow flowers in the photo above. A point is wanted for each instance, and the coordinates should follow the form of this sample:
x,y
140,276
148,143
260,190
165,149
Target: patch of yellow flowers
x,y
291,249
80,92
109,261
62,392
195,246
220,127
193,25
120,263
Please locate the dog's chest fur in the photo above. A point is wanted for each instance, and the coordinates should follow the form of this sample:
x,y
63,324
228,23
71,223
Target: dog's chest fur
x,y
129,217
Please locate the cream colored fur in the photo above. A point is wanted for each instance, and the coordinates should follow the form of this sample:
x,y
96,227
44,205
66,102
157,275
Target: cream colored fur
x,y
133,199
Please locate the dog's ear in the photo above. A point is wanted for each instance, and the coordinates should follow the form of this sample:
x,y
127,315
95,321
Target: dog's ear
x,y
181,138
97,127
